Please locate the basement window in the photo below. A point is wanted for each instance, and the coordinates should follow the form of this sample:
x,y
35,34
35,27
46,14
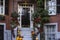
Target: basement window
x,y
50,31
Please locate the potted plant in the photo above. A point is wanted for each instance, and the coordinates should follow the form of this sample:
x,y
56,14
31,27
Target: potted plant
x,y
14,15
14,21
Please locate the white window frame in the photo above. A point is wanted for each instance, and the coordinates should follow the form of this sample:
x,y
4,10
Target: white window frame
x,y
55,8
3,8
56,31
4,29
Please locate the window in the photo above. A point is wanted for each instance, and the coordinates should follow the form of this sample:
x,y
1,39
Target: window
x,y
2,3
1,32
50,32
6,7
58,6
51,6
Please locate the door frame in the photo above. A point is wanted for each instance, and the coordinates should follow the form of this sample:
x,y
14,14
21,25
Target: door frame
x,y
4,28
31,12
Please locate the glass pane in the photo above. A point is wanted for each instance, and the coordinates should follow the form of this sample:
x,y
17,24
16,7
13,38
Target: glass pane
x,y
1,32
50,32
51,6
25,17
1,2
58,9
58,2
1,6
1,9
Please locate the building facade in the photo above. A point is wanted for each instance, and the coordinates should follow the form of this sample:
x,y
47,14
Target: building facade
x,y
25,8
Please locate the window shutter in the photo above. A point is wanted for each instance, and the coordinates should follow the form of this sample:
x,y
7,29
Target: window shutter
x,y
58,6
6,7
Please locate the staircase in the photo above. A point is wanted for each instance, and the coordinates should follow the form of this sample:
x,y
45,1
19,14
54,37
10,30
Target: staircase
x,y
26,33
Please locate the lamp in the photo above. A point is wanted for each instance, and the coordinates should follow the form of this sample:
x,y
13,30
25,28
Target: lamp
x,y
25,3
36,38
38,25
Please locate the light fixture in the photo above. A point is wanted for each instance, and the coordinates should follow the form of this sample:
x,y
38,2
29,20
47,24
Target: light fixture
x,y
25,3
36,38
38,25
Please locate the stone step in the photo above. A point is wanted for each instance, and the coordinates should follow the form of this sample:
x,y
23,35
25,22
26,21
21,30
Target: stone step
x,y
26,33
27,38
26,29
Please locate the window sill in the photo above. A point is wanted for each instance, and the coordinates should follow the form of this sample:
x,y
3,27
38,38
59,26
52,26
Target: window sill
x,y
52,14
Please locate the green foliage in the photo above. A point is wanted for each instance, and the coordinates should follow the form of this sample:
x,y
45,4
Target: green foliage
x,y
14,19
45,20
13,24
40,3
35,15
14,15
41,13
40,16
2,17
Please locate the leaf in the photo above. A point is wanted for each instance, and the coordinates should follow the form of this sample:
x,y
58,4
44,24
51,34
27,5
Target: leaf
x,y
45,19
14,15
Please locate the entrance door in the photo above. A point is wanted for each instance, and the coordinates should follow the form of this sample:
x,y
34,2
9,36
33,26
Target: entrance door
x,y
25,16
1,32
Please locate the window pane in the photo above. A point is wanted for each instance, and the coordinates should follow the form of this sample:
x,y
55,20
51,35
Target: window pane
x,y
1,6
58,2
1,9
51,6
1,32
50,32
58,6
49,3
58,9
7,7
